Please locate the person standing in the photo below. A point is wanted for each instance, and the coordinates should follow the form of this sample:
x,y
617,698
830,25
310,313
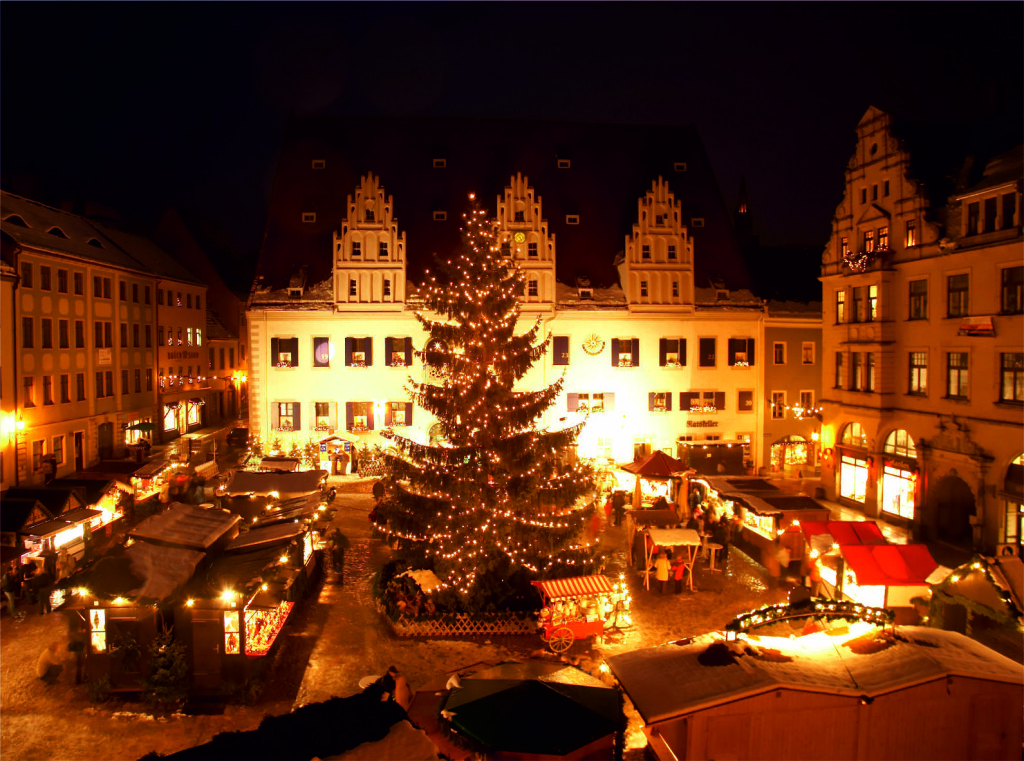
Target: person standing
x,y
661,570
9,585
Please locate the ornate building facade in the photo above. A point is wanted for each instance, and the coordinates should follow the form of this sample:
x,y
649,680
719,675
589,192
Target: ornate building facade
x,y
923,324
630,265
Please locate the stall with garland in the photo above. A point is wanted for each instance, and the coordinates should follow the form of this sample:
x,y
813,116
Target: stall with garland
x,y
984,599
765,512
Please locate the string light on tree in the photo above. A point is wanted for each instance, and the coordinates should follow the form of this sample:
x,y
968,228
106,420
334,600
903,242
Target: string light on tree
x,y
495,504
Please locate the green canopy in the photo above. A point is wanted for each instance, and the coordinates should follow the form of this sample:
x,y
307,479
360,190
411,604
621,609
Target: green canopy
x,y
537,707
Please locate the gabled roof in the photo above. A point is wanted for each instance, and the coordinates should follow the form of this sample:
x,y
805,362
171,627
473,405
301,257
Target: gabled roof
x,y
611,167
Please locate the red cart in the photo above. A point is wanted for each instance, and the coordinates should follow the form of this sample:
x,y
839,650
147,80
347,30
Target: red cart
x,y
581,606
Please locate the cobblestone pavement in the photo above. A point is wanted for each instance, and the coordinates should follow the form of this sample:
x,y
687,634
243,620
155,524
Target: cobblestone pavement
x,y
334,639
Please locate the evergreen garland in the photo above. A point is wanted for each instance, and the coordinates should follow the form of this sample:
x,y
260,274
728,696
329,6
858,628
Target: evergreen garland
x,y
496,504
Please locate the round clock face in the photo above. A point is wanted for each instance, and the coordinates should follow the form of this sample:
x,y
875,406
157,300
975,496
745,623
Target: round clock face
x,y
519,237
593,344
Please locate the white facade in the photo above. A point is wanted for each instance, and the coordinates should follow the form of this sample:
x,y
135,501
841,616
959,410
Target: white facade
x,y
670,361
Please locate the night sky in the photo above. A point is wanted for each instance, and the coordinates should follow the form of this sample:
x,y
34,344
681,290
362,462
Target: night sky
x,y
135,105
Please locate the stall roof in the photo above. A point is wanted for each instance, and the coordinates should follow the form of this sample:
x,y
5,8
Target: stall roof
x,y
287,485
81,514
187,526
265,535
163,569
92,490
57,500
674,537
16,512
844,532
656,465
577,586
151,469
669,681
45,529
890,565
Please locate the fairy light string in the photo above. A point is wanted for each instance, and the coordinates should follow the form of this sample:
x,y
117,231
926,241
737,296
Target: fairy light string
x,y
499,495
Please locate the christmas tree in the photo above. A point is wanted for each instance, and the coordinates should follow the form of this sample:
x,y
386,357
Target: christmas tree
x,y
495,504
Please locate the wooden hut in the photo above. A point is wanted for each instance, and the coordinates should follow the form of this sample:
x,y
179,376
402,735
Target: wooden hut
x,y
869,694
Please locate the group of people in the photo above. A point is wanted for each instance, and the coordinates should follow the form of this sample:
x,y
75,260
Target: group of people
x,y
33,583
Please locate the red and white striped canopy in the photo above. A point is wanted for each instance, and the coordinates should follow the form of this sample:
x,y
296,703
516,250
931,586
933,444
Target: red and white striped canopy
x,y
577,586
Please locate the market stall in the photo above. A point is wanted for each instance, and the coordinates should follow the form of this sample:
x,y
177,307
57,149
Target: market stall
x,y
657,539
764,511
654,478
580,606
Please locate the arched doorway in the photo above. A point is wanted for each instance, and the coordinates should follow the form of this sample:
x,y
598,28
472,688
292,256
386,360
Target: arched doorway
x,y
952,508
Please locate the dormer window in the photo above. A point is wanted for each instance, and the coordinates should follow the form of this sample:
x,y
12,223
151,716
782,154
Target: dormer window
x,y
308,216
319,164
57,233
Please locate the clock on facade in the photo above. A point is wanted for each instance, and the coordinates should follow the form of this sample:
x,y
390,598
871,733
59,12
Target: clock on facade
x,y
593,344
519,237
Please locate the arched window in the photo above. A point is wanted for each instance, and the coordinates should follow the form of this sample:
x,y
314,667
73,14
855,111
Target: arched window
x,y
900,443
853,435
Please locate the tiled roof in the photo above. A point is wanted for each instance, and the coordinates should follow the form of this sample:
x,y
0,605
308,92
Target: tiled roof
x,y
612,166
84,239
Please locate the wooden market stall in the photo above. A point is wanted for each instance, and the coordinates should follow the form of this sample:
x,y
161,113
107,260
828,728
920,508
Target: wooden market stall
x,y
764,511
869,693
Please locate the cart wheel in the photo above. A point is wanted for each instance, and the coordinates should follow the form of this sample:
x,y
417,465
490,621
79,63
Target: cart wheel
x,y
560,640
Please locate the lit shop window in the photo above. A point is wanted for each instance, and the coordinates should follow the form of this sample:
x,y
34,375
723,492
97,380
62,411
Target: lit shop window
x,y
98,630
232,645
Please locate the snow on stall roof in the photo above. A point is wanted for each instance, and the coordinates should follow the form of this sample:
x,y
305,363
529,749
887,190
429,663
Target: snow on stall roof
x,y
671,680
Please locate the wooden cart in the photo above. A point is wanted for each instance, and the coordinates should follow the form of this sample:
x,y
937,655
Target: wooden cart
x,y
580,607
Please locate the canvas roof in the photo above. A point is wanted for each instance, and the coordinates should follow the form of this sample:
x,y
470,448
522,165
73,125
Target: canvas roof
x,y
656,465
287,485
668,681
890,565
844,532
187,526
534,707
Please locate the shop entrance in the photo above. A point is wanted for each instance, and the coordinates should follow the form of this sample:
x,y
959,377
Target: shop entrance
x,y
105,438
952,507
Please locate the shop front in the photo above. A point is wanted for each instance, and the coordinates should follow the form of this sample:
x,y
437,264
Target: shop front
x,y
897,495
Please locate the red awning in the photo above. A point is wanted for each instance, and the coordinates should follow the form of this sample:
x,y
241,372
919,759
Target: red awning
x,y
845,532
890,565
656,465
578,586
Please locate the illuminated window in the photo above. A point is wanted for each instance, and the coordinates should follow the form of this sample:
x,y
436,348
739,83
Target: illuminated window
x,y
1011,377
918,383
778,405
